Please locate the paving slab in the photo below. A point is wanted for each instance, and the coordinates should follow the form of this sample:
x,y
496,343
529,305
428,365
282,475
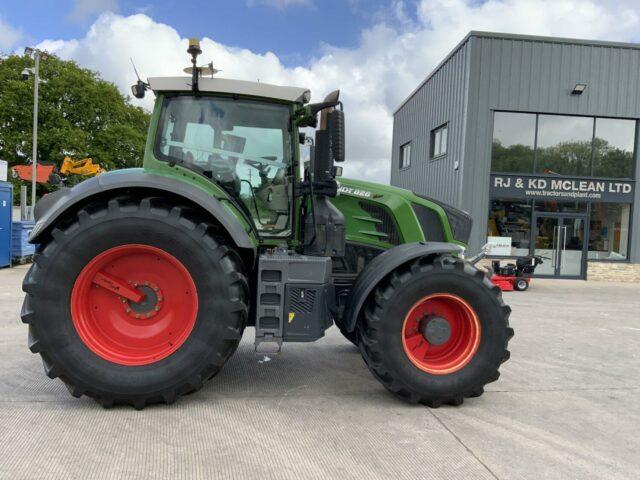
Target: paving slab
x,y
566,407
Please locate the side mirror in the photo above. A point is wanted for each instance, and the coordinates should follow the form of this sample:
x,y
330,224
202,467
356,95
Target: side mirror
x,y
138,90
335,126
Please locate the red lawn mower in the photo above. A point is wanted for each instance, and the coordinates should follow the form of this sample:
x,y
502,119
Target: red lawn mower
x,y
514,276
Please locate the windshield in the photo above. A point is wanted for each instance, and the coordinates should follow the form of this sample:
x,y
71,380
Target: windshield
x,y
245,146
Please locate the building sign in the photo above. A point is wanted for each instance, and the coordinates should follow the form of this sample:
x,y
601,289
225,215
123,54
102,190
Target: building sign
x,y
498,246
562,188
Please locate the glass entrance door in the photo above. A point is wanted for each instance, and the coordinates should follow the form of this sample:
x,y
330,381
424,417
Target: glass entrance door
x,y
561,241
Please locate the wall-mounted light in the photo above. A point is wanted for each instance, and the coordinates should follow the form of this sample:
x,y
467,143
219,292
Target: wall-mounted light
x,y
579,89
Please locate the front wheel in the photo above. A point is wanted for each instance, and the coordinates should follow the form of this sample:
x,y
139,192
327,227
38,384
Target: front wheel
x,y
134,301
435,332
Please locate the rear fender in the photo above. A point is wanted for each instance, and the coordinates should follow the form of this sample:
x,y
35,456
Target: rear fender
x,y
53,206
383,265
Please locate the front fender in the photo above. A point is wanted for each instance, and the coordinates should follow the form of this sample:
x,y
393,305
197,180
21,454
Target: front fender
x,y
384,264
52,206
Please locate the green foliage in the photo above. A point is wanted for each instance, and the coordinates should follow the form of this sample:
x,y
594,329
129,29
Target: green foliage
x,y
610,161
566,158
515,158
80,115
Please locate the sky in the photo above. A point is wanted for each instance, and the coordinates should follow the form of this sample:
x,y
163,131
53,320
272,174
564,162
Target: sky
x,y
375,51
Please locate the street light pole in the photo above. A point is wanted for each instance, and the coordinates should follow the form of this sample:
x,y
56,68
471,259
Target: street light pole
x,y
34,166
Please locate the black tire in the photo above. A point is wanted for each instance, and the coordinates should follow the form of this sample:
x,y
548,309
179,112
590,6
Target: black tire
x,y
520,284
213,266
351,336
382,323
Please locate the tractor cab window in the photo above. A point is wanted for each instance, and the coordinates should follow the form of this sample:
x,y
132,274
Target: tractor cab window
x,y
244,146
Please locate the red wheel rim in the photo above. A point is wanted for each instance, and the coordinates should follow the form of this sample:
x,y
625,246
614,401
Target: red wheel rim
x,y
441,334
129,333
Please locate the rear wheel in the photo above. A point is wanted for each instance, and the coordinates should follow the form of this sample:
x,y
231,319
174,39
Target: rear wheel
x,y
435,332
121,306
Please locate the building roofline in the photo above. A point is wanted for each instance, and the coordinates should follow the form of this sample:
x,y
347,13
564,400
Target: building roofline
x,y
514,36
545,39
434,71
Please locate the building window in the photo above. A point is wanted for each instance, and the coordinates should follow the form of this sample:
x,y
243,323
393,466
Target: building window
x,y
609,231
514,136
439,141
512,219
405,156
564,145
613,148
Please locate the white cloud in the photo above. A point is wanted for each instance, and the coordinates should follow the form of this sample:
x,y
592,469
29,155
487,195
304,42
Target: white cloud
x,y
279,4
390,60
9,36
84,10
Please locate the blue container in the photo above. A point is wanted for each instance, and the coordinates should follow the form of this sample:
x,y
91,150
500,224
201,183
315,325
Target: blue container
x,y
21,247
6,206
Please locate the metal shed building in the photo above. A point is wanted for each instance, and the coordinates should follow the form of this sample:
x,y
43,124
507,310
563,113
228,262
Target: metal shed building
x,y
536,138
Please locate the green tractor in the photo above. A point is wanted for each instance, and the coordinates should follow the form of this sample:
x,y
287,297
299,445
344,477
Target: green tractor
x,y
145,279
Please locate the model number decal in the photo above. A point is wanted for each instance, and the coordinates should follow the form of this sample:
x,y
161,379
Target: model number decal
x,y
355,191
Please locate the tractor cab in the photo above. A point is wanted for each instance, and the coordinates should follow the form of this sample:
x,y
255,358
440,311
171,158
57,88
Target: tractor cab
x,y
244,137
244,143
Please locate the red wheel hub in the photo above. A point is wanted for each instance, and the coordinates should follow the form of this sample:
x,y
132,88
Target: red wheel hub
x,y
134,304
441,334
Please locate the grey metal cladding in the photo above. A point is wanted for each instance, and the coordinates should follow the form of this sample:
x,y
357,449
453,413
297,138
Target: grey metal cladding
x,y
507,72
440,100
537,75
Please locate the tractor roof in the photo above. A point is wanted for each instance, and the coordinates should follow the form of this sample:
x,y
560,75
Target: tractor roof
x,y
239,87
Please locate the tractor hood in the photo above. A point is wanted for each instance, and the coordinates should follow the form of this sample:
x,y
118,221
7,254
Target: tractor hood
x,y
376,191
458,222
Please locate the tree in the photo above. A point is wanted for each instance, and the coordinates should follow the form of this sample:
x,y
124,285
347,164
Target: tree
x,y
80,115
565,158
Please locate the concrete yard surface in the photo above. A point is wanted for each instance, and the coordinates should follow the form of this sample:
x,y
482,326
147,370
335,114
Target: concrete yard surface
x,y
566,407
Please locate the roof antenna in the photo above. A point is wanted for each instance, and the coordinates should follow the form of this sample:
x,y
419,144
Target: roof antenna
x,y
140,87
194,50
195,71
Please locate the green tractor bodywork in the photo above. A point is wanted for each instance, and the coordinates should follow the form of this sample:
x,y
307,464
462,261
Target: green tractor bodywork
x,y
268,240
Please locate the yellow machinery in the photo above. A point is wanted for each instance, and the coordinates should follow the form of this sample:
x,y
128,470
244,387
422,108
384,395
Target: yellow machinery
x,y
84,167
